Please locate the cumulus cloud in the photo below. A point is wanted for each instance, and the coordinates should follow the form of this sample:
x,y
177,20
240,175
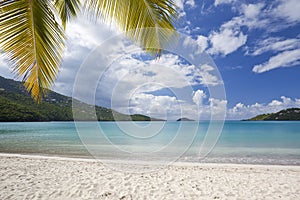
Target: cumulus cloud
x,y
272,17
202,41
155,106
83,36
134,77
241,111
218,108
198,97
226,41
230,36
284,59
198,45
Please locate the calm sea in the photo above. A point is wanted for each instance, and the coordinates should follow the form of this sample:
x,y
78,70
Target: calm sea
x,y
239,141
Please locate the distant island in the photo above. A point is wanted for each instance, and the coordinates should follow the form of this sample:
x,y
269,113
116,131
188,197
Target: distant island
x,y
184,119
290,114
16,105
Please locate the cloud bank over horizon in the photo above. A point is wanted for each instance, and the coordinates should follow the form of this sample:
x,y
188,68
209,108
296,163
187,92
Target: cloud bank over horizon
x,y
241,111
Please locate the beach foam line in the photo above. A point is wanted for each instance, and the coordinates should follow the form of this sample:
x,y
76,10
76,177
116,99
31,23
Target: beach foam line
x,y
151,163
36,156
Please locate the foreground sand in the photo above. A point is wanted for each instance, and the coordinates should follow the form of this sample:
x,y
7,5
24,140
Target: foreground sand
x,y
25,177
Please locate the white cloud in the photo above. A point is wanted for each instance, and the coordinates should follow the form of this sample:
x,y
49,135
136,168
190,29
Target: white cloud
x,y
270,17
275,44
191,3
284,59
238,107
275,103
251,11
202,41
226,41
229,37
287,49
168,71
5,67
238,22
219,2
183,5
85,33
199,45
241,111
179,4
251,16
267,17
218,108
83,36
198,97
288,53
207,77
154,106
288,9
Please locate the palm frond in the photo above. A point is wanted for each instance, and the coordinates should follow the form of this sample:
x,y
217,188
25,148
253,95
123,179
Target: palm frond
x,y
33,40
67,9
148,22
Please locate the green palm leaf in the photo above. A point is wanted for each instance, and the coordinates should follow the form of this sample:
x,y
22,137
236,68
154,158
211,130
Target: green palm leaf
x,y
67,9
33,40
149,22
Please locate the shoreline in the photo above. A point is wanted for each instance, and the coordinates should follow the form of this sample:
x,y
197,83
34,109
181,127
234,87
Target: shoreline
x,y
135,162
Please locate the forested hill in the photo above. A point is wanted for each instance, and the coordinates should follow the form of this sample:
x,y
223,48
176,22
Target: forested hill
x,y
291,114
16,105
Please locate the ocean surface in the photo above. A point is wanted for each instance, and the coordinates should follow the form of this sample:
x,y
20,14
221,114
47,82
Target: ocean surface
x,y
246,142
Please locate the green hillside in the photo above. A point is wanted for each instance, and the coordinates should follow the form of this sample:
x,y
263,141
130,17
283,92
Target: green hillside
x,y
290,114
16,105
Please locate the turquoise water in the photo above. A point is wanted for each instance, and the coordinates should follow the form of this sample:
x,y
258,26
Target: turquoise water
x,y
239,142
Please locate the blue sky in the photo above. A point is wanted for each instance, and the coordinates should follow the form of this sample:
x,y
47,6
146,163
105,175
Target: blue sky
x,y
254,44
263,30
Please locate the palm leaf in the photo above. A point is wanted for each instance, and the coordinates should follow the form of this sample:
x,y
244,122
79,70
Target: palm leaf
x,y
67,9
148,22
33,40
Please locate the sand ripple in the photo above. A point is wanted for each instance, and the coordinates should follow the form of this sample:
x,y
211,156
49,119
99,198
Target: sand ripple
x,y
45,178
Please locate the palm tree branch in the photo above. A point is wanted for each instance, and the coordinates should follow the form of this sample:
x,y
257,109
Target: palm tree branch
x,y
67,9
33,41
148,22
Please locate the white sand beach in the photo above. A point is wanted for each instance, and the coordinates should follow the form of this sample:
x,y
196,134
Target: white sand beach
x,y
30,177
